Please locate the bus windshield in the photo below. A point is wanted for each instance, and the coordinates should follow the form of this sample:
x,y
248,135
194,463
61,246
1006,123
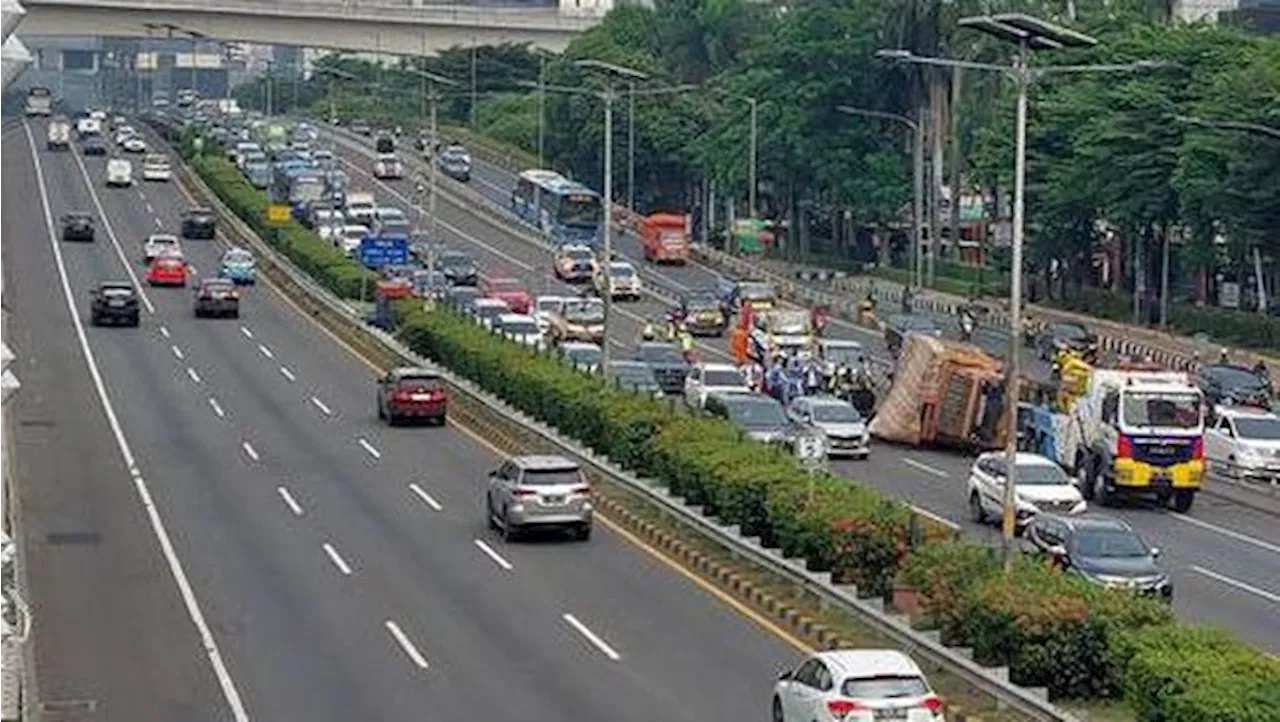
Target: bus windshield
x,y
579,210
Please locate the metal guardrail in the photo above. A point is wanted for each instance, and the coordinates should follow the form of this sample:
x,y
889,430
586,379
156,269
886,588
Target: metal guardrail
x,y
991,681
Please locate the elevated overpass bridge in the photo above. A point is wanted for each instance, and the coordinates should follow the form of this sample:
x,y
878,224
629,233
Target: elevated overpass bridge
x,y
400,27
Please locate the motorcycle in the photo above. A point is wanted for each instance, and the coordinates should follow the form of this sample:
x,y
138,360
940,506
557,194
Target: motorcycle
x,y
967,325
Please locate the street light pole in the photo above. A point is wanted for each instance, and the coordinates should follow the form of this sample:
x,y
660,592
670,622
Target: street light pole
x,y
631,146
542,108
432,81
751,172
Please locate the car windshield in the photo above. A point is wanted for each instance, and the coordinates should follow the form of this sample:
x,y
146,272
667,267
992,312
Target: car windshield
x,y
1262,428
756,291
1071,332
1041,475
117,292
451,260
156,160
418,384
237,257
702,303
1180,411
578,254
886,687
591,311
841,354
633,374
621,271
549,305
1237,379
550,477
164,240
583,355
659,353
836,414
492,310
723,377
755,412
1109,543
520,328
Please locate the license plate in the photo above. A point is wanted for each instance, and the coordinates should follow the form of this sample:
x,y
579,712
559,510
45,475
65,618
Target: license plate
x,y
896,713
553,499
421,397
116,304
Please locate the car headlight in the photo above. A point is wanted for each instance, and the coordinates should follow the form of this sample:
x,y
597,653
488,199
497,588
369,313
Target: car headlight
x,y
1081,507
1248,452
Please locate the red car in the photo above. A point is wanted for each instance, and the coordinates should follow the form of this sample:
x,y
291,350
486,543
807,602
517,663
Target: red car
x,y
167,271
412,393
508,290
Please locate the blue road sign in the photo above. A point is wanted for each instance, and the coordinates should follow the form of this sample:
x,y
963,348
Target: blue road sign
x,y
376,252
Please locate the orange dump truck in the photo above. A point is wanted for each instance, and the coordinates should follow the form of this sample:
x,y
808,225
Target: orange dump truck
x,y
665,237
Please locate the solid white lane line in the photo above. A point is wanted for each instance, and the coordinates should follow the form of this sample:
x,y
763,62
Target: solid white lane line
x,y
266,351
192,373
227,685
217,408
405,645
284,371
1269,596
247,333
936,517
320,405
926,468
1267,546
111,232
337,559
164,332
289,501
425,497
249,450
177,352
369,448
497,558
591,637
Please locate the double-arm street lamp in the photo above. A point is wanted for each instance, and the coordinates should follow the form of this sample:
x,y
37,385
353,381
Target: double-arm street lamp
x,y
917,182
1028,34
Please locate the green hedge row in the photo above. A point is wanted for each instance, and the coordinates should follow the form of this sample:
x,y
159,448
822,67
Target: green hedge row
x,y
1051,629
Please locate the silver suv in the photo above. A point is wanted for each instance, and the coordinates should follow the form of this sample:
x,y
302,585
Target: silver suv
x,y
547,492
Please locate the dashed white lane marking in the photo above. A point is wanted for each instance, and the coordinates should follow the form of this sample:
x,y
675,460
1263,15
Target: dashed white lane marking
x,y
320,405
177,352
210,645
1249,588
337,559
150,208
496,557
1267,546
405,645
164,332
926,468
247,333
192,373
159,224
425,497
217,408
251,452
369,448
592,637
266,351
289,501
285,372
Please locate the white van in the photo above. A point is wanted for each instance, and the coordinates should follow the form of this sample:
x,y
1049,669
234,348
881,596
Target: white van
x,y
119,173
361,208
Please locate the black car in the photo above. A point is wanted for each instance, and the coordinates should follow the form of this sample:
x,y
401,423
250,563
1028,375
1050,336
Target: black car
x,y
216,297
361,127
113,302
93,145
1066,336
1231,385
385,144
1104,550
702,313
77,227
898,327
199,223
667,362
459,268
461,297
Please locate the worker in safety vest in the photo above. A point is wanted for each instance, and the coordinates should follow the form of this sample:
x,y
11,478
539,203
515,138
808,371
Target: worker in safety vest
x,y
686,344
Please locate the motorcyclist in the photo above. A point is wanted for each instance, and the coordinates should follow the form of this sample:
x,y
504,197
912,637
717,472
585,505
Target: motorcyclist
x,y
649,332
968,322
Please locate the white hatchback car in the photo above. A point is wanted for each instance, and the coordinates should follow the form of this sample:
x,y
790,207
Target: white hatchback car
x,y
1041,486
836,421
1244,443
855,685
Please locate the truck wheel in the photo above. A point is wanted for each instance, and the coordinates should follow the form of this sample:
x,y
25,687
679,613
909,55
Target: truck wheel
x,y
1182,499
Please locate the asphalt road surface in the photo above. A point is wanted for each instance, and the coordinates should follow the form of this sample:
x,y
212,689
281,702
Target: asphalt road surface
x,y
342,567
1224,558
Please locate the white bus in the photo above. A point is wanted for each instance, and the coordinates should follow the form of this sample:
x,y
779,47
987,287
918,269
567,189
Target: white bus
x,y
39,101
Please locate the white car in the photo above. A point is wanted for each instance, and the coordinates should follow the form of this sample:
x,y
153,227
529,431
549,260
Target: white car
x,y
544,307
119,172
521,328
134,144
836,352
388,166
623,281
156,168
124,133
856,685
350,237
711,378
160,244
1041,486
1244,443
837,421
488,310
584,357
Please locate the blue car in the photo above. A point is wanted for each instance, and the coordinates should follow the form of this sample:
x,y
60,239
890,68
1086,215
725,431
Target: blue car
x,y
237,266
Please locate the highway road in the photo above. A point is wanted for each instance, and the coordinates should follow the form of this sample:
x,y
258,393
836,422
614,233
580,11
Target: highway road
x,y
1224,558
342,568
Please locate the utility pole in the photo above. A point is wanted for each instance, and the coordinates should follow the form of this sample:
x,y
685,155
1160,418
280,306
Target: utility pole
x,y
957,78
474,100
542,109
631,146
751,172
